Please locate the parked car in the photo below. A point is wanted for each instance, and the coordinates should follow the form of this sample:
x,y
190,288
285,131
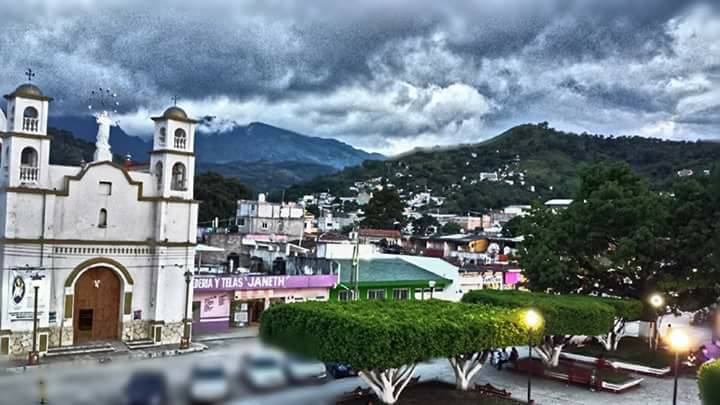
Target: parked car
x,y
340,370
147,388
208,384
264,371
301,370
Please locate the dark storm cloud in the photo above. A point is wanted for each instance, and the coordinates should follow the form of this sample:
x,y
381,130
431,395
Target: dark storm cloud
x,y
384,75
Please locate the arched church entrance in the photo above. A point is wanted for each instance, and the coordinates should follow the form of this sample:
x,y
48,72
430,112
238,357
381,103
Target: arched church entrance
x,y
97,306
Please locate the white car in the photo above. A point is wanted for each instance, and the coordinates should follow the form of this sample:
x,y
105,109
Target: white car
x,y
209,385
300,369
264,371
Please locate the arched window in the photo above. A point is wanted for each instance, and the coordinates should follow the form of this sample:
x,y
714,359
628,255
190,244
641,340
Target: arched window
x,y
30,112
102,218
159,175
178,177
30,120
29,165
162,138
180,139
28,157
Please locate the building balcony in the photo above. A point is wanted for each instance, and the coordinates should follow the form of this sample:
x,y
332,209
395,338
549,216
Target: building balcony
x,y
30,124
29,174
180,143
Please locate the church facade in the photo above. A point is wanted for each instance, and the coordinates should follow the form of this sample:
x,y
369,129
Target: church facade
x,y
105,247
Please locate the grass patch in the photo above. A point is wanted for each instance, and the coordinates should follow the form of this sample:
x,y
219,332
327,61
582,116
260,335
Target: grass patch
x,y
630,350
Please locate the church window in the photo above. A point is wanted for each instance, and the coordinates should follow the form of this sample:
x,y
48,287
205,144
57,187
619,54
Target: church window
x,y
163,136
159,175
105,188
30,120
28,157
102,218
29,172
180,139
179,181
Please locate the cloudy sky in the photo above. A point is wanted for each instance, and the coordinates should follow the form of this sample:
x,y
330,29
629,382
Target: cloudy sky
x,y
381,75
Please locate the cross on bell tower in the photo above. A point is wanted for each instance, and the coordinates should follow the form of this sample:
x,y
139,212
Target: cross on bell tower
x,y
175,100
30,74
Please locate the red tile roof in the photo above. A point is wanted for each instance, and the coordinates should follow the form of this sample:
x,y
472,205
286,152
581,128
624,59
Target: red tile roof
x,y
380,233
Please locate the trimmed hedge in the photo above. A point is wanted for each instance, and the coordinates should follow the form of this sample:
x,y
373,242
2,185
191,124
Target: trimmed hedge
x,y
563,314
709,382
388,334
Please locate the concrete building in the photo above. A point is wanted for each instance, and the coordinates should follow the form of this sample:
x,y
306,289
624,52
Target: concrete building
x,y
108,245
267,221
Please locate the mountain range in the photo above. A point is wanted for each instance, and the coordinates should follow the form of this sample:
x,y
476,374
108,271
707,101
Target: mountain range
x,y
532,162
261,155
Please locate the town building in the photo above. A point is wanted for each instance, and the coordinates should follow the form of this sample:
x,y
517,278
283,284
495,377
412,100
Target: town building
x,y
107,246
224,301
388,278
266,221
390,236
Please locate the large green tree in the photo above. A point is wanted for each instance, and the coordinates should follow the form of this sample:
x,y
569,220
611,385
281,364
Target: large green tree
x,y
425,225
619,238
568,319
386,339
384,210
611,240
218,196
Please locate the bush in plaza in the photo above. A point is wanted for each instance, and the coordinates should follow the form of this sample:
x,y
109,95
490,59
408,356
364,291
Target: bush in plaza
x,y
709,382
567,318
386,339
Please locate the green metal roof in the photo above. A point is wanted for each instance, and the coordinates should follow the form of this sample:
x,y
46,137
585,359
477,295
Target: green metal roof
x,y
391,271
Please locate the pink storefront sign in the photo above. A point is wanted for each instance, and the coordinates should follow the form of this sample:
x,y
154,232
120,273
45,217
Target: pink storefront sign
x,y
240,283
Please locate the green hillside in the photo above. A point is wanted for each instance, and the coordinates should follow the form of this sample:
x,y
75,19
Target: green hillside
x,y
531,156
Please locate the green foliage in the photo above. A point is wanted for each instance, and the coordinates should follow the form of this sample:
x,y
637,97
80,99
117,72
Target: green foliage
x,y
451,228
218,196
385,334
548,157
425,225
709,382
619,238
562,314
384,210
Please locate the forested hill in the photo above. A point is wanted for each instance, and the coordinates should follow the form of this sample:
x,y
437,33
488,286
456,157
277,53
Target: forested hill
x,y
531,157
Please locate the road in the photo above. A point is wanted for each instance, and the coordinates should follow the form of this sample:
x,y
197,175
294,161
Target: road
x,y
104,383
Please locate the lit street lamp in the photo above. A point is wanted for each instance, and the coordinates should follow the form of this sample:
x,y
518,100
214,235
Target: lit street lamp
x,y
34,356
679,342
185,340
656,301
431,283
533,320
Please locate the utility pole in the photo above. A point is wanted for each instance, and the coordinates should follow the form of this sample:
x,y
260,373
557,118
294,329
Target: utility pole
x,y
355,278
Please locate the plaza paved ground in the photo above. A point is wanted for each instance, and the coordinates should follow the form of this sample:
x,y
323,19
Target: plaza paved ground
x,y
103,383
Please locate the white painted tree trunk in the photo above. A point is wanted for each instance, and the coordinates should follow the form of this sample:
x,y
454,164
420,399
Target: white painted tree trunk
x,y
611,340
549,354
465,366
387,384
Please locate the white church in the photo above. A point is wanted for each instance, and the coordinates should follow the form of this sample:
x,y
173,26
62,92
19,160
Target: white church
x,y
106,247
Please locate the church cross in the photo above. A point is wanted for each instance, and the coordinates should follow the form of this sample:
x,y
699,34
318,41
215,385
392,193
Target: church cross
x,y
30,74
175,99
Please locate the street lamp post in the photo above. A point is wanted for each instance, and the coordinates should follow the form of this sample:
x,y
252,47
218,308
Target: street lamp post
x,y
431,283
185,340
34,356
678,343
656,301
533,320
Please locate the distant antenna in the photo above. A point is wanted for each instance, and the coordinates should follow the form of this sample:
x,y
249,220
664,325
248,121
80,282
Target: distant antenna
x,y
30,74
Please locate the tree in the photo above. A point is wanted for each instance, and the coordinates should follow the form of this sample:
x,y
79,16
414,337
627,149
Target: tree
x,y
709,382
218,195
384,211
425,225
386,339
568,319
610,240
451,228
